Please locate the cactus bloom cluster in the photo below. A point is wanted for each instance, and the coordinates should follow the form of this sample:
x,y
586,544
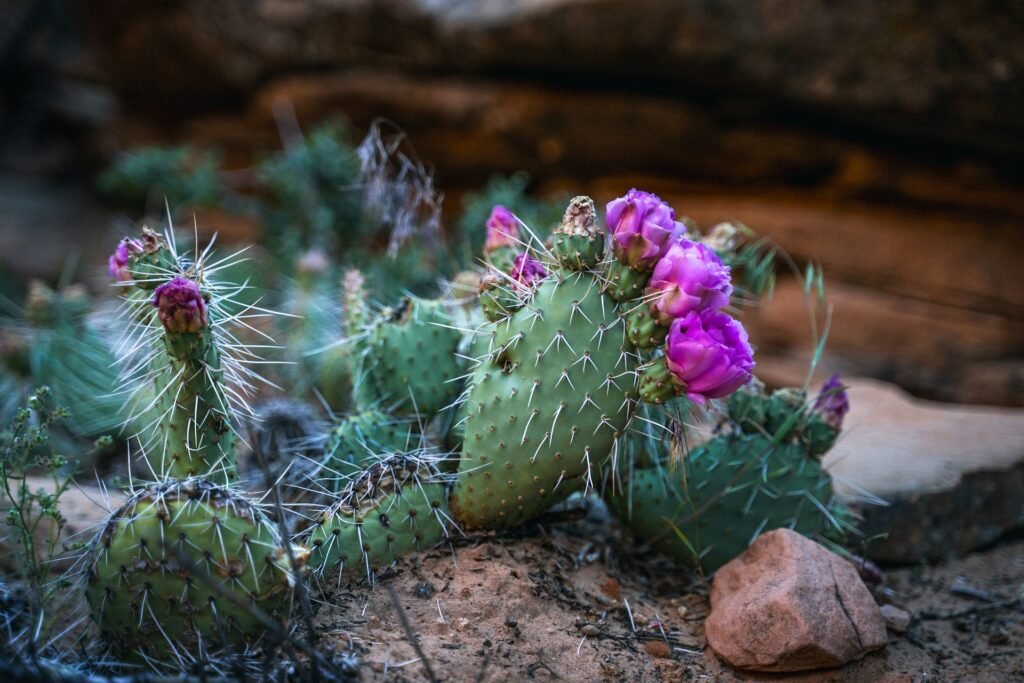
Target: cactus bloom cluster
x,y
180,305
706,351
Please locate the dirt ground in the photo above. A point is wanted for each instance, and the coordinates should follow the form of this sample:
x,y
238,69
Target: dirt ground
x,y
567,600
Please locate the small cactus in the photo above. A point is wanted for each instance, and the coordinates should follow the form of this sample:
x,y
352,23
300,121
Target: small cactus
x,y
552,395
187,566
183,567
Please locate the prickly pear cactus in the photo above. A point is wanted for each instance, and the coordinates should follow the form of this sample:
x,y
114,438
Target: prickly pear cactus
x,y
410,358
550,399
181,568
178,378
764,473
394,506
360,439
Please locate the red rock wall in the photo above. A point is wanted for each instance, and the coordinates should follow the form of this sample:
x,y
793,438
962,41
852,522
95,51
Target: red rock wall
x,y
880,139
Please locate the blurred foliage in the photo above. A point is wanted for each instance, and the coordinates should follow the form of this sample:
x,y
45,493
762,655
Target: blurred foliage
x,y
52,341
310,194
372,206
183,176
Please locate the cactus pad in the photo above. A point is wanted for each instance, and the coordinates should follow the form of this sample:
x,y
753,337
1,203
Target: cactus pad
x,y
546,405
361,439
411,358
180,567
396,505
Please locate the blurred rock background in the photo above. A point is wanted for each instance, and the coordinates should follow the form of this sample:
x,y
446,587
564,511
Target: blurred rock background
x,y
882,139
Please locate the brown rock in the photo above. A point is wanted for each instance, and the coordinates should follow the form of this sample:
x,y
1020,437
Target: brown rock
x,y
835,59
952,475
788,604
939,337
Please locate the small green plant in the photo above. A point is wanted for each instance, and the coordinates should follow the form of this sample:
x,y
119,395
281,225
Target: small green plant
x,y
32,511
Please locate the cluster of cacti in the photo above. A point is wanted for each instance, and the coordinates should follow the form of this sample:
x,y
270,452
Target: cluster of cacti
x,y
188,565
565,371
571,342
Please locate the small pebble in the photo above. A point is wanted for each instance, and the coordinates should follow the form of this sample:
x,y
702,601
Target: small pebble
x,y
896,619
658,648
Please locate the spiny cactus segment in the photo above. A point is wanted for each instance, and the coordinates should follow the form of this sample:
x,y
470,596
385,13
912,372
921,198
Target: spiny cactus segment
x,y
183,567
408,358
359,439
395,505
763,473
188,565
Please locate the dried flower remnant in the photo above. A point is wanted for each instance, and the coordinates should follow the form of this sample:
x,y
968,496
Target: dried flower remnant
x,y
398,189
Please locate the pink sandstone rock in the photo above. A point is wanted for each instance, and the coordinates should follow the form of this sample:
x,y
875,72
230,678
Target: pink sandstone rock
x,y
788,604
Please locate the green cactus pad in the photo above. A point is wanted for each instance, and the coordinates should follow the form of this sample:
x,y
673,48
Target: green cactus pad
x,y
363,438
546,405
180,568
411,358
734,488
394,506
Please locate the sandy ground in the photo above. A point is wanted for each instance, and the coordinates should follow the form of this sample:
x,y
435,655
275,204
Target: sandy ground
x,y
567,600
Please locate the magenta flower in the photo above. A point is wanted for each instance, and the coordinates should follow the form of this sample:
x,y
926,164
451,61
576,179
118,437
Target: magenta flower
x,y
708,353
527,270
832,402
689,277
641,226
117,264
502,229
180,305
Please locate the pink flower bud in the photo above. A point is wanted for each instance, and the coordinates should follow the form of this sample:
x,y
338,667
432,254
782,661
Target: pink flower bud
x,y
117,264
180,305
502,229
642,226
833,402
527,270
